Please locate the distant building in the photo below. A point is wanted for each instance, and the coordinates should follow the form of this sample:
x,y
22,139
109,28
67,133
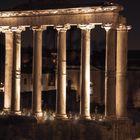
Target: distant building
x,y
73,74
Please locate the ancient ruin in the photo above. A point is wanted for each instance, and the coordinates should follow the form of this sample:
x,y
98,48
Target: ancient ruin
x,y
107,16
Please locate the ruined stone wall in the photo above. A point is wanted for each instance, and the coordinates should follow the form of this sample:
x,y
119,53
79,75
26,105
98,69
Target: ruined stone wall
x,y
24,128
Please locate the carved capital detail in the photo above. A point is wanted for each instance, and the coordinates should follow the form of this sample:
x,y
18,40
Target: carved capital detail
x,y
107,26
86,26
5,29
123,27
62,28
39,28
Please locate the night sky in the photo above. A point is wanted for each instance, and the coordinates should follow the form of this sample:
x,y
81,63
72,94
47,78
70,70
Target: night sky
x,y
131,12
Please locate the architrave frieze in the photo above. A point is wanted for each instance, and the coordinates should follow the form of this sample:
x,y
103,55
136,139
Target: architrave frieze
x,y
79,10
53,17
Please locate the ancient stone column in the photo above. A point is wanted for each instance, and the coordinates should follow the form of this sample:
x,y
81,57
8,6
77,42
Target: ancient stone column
x,y
37,71
110,71
61,72
16,70
85,71
8,69
121,69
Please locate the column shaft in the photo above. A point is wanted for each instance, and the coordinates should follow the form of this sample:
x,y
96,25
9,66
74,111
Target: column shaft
x,y
121,69
61,74
8,70
16,73
37,72
110,73
85,74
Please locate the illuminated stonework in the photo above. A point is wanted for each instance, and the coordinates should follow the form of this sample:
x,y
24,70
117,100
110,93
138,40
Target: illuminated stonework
x,y
53,12
85,18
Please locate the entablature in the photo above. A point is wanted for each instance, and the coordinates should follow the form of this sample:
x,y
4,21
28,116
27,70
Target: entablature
x,y
73,16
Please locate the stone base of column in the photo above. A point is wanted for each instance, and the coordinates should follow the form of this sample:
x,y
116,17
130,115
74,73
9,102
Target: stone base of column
x,y
111,117
6,109
122,118
61,116
83,117
16,112
38,114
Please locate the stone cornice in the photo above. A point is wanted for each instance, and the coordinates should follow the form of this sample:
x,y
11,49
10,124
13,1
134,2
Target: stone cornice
x,y
65,11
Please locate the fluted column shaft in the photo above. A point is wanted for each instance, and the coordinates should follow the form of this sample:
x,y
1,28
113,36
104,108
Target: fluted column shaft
x,y
37,71
8,70
110,71
121,69
61,72
85,71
